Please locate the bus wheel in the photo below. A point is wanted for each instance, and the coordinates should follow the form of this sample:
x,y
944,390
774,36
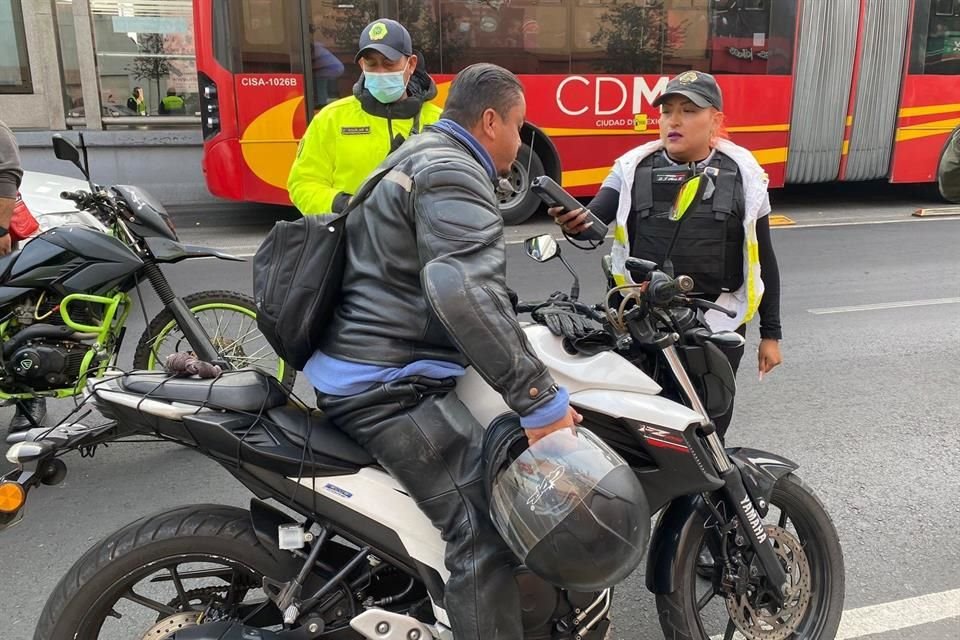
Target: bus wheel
x,y
518,206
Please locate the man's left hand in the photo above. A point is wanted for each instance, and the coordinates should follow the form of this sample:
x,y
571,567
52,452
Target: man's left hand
x,y
768,355
5,245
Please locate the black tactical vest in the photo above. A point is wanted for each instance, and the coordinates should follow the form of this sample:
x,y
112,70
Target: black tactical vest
x,y
710,245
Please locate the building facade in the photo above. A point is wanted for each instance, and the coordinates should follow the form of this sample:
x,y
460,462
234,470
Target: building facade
x,y
120,71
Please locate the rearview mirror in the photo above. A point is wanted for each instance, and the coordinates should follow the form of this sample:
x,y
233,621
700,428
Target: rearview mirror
x,y
541,248
64,150
690,194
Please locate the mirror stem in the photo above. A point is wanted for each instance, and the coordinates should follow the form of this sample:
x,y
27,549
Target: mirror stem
x,y
575,289
667,261
86,163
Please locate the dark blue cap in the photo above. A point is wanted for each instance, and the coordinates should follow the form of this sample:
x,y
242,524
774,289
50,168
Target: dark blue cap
x,y
699,87
389,37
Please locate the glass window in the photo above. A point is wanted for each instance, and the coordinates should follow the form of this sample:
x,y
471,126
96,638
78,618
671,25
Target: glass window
x,y
935,49
754,37
525,36
271,37
69,62
14,63
334,30
145,58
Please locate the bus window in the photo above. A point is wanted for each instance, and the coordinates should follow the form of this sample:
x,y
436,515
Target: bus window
x,y
270,39
616,37
752,37
935,49
525,36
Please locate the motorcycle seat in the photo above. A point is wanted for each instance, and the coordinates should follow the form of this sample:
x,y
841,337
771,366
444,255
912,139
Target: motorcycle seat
x,y
322,436
246,390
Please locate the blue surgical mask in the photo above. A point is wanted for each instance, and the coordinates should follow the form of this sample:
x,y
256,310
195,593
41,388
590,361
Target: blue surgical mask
x,y
386,87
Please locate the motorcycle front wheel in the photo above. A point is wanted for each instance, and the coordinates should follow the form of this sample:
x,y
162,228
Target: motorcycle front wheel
x,y
807,544
230,319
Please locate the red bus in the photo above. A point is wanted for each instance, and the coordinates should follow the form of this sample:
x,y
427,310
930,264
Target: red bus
x,y
819,90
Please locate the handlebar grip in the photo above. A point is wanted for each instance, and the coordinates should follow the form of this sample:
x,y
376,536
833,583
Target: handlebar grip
x,y
642,267
74,196
662,289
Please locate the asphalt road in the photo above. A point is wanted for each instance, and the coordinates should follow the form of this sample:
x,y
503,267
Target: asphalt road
x,y
867,402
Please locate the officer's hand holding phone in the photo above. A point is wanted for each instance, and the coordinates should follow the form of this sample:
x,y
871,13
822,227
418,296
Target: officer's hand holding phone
x,y
573,222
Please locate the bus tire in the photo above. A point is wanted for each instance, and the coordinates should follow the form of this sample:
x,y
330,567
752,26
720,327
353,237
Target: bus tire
x,y
519,206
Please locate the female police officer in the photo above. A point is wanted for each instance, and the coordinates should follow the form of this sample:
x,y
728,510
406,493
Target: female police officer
x,y
725,242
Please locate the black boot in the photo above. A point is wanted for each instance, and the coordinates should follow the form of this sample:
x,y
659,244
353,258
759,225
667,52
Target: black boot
x,y
35,408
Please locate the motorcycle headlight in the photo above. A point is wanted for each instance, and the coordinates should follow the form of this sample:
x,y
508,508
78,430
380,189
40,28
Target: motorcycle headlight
x,y
49,221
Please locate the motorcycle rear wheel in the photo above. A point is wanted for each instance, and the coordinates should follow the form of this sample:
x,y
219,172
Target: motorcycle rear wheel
x,y
229,318
686,613
145,580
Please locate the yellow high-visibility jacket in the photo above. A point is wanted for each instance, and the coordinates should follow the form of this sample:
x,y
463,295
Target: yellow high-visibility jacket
x,y
345,142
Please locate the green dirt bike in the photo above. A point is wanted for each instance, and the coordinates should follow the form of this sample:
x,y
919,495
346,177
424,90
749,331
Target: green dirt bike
x,y
65,298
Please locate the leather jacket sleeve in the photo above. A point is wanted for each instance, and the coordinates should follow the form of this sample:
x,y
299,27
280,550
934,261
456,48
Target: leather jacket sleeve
x,y
460,242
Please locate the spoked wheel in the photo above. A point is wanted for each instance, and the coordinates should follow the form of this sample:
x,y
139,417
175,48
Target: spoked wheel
x,y
187,567
230,319
719,603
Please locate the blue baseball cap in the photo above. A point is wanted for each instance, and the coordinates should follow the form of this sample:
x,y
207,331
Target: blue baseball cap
x,y
389,37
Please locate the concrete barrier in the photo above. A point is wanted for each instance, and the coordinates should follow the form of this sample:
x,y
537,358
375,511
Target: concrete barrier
x,y
166,162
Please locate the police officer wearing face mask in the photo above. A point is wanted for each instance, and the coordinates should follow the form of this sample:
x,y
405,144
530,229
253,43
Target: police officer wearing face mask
x,y
348,138
724,244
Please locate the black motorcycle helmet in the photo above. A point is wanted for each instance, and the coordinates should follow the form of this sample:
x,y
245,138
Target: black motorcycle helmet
x,y
569,507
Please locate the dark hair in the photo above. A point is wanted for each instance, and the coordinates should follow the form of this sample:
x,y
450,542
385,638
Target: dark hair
x,y
171,91
480,87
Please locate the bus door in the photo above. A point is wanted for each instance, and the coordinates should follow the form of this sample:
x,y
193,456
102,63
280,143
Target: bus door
x,y
875,97
930,100
823,76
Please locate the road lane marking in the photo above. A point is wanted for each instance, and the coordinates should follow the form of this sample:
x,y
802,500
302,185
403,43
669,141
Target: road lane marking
x,y
883,305
900,614
893,616
856,223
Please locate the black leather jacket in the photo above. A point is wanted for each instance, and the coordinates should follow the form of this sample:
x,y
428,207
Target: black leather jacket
x,y
426,274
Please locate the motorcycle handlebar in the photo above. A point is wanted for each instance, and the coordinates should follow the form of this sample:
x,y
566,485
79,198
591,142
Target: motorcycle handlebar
x,y
585,309
76,196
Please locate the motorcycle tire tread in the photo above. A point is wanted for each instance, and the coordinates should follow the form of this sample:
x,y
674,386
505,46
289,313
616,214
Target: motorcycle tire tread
x,y
673,607
230,528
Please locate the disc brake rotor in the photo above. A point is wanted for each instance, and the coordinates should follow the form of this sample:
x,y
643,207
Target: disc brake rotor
x,y
170,625
165,628
757,619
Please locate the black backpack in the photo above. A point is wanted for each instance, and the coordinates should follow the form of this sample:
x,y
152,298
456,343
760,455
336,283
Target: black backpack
x,y
297,278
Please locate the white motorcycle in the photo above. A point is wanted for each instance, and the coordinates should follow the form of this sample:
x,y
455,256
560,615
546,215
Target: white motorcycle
x,y
357,559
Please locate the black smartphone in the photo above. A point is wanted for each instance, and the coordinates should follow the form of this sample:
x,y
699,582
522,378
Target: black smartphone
x,y
555,196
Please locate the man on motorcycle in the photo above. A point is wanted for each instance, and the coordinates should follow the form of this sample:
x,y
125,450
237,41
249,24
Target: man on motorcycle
x,y
424,295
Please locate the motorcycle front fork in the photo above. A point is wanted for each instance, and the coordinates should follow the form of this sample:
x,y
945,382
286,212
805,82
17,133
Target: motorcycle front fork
x,y
752,523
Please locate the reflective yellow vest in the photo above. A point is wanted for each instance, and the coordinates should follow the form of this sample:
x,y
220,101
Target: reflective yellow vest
x,y
342,146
